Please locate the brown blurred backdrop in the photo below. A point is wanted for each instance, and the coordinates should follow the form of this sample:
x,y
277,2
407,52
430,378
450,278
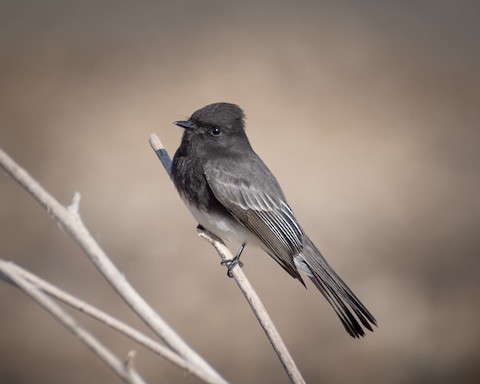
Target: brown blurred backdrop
x,y
368,114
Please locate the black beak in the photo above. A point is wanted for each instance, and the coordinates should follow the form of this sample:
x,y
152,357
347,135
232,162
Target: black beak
x,y
184,124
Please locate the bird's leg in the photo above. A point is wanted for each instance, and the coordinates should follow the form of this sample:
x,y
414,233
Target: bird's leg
x,y
236,260
229,263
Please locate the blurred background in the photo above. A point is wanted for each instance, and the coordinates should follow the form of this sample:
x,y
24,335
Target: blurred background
x,y
367,113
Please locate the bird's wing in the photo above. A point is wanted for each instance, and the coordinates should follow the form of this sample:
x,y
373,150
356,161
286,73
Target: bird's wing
x,y
252,195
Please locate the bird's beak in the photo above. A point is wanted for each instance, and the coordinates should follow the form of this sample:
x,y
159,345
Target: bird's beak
x,y
184,124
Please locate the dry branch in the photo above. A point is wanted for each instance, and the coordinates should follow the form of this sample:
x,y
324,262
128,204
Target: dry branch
x,y
99,315
70,221
242,282
128,374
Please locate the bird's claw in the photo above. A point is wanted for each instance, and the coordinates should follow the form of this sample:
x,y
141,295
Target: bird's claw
x,y
230,264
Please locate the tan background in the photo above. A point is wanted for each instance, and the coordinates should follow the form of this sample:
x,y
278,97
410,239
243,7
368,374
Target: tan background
x,y
368,114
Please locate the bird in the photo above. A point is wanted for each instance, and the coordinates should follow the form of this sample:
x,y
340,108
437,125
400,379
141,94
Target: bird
x,y
231,193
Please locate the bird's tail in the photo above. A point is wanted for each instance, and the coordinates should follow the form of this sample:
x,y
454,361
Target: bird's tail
x,y
337,293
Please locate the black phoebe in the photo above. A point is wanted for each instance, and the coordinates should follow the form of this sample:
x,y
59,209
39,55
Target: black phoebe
x,y
232,193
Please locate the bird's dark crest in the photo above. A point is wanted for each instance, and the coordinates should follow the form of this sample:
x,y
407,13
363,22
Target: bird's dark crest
x,y
219,114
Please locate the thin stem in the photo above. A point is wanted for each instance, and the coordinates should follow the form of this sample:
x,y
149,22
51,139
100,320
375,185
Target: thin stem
x,y
70,221
242,282
257,307
128,374
101,316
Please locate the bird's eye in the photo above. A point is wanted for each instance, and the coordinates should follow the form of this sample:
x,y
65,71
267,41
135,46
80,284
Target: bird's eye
x,y
215,131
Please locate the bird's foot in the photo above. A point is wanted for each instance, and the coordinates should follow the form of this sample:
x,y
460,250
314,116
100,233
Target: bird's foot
x,y
230,264
233,262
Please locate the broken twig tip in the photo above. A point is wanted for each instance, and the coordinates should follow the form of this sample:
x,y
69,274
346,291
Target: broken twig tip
x,y
155,142
130,361
74,206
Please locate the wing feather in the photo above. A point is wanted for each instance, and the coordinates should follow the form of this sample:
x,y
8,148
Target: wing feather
x,y
267,215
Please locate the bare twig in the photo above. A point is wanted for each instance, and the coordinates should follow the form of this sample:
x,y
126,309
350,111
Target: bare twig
x,y
101,316
127,373
71,222
242,282
257,307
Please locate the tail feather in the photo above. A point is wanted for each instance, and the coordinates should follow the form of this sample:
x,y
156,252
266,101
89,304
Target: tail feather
x,y
337,293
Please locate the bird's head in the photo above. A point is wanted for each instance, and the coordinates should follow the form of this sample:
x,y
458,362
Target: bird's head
x,y
215,126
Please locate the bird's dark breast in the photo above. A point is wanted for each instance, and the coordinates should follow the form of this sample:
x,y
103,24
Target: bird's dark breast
x,y
190,181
